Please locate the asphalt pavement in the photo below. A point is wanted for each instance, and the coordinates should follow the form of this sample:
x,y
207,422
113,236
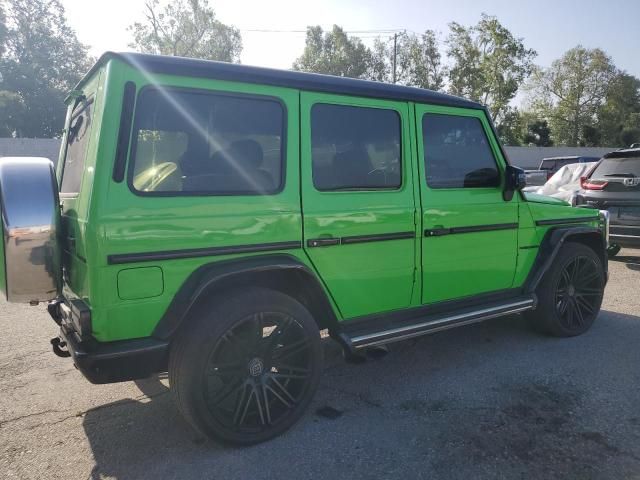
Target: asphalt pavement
x,y
492,400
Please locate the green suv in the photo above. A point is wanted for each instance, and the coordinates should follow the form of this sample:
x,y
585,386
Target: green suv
x,y
210,220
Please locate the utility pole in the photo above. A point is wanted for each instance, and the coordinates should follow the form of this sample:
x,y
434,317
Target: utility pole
x,y
395,52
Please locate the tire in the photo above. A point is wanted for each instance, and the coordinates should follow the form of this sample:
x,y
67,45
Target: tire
x,y
246,366
570,294
613,250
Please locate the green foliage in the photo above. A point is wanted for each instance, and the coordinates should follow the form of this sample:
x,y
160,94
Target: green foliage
x,y
42,61
571,92
619,115
186,29
418,61
489,63
537,133
334,53
511,127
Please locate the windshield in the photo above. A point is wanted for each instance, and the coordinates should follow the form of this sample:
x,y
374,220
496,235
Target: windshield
x,y
618,167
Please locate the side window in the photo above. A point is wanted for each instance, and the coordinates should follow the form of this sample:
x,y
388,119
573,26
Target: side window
x,y
77,143
355,148
201,143
457,153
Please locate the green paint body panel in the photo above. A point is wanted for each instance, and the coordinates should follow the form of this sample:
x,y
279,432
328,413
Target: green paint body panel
x,y
139,283
128,301
537,198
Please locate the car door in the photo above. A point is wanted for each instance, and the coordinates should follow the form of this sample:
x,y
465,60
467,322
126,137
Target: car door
x,y
358,200
469,242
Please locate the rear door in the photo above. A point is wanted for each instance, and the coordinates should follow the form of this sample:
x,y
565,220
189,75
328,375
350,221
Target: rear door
x,y
470,238
358,200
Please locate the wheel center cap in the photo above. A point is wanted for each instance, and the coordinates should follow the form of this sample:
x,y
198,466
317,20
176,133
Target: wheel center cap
x,y
256,367
571,290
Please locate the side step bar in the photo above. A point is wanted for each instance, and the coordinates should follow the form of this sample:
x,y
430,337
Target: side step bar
x,y
436,323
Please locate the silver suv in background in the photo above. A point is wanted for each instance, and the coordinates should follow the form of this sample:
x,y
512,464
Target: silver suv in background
x,y
614,185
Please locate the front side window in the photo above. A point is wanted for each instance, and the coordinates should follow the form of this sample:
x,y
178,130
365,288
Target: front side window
x,y
77,143
355,148
200,143
457,153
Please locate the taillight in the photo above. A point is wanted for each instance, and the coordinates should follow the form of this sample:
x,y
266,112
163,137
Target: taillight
x,y
587,184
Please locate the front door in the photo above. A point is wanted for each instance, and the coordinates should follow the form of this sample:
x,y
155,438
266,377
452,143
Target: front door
x,y
358,201
470,234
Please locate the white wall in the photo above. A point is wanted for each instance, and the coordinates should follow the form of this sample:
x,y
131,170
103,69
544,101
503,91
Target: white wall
x,y
30,147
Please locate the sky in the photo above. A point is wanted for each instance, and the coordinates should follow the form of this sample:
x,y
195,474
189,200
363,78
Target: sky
x,y
549,26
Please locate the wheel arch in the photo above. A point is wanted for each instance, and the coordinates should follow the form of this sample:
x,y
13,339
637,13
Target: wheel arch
x,y
554,239
279,272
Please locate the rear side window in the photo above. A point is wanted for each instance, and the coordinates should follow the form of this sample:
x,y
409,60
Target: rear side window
x,y
77,143
355,148
457,153
618,167
201,143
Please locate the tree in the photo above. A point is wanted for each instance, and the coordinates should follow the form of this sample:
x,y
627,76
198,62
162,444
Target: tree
x,y
41,63
418,61
511,127
489,63
570,92
334,53
186,29
538,133
619,115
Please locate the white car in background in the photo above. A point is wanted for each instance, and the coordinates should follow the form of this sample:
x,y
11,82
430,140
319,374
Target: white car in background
x,y
565,183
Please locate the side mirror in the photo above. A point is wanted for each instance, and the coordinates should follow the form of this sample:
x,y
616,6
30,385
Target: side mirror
x,y
515,179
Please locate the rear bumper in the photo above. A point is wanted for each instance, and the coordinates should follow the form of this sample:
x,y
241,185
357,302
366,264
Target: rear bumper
x,y
117,361
105,362
624,216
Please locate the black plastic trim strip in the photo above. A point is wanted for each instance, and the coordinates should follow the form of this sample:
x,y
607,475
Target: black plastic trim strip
x,y
438,232
377,238
565,221
121,258
126,120
380,237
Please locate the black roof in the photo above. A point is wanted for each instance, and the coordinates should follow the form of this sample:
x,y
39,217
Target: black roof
x,y
283,78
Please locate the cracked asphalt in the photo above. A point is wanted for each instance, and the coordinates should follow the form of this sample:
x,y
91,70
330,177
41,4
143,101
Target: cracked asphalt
x,y
493,400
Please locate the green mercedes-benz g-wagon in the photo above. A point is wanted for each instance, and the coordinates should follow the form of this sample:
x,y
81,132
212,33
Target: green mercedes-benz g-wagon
x,y
209,219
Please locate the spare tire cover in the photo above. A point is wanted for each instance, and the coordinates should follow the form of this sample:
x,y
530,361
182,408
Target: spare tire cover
x,y
31,269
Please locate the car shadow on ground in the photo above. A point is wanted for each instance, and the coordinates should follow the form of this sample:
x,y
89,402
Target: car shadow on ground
x,y
493,399
632,262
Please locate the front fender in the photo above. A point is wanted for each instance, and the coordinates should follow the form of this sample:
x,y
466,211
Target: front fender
x,y
554,239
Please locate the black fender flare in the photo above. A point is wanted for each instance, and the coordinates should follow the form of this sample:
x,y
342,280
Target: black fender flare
x,y
553,240
281,272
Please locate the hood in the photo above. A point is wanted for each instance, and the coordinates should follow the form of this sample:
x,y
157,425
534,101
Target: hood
x,y
537,198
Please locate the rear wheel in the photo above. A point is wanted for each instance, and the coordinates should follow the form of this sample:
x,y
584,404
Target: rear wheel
x,y
570,294
245,370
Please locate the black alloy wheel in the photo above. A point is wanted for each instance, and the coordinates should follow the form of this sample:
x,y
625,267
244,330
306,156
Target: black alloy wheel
x,y
258,372
578,292
246,366
570,293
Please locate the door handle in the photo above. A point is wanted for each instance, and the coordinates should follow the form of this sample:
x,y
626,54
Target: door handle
x,y
437,231
323,242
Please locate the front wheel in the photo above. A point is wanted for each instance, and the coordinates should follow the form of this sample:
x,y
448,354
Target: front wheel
x,y
245,369
571,292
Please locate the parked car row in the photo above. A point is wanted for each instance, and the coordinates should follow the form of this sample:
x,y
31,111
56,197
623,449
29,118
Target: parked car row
x,y
611,183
